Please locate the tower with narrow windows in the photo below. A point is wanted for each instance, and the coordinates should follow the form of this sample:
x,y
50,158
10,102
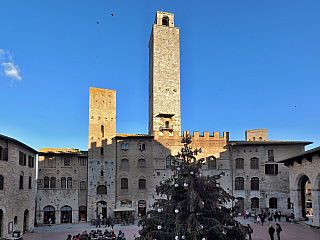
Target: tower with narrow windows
x,y
164,76
101,152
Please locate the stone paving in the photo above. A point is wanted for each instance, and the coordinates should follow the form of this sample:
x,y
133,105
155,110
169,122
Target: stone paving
x,y
290,231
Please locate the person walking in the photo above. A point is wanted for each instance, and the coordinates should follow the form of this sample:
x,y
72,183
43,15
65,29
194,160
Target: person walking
x,y
271,232
98,222
249,231
50,221
278,230
292,218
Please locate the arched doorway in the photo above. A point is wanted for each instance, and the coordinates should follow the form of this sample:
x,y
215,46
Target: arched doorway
x,y
142,206
101,209
25,220
302,206
66,214
49,212
82,213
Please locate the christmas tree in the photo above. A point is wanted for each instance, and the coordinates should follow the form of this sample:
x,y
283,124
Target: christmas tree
x,y
192,206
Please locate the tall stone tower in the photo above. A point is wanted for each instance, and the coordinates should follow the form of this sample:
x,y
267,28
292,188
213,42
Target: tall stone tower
x,y
101,153
164,76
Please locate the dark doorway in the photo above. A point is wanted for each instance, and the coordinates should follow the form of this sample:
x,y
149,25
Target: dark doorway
x,y
142,206
83,213
25,221
302,187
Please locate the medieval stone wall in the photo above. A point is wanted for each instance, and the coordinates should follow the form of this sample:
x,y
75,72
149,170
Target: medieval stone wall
x,y
15,202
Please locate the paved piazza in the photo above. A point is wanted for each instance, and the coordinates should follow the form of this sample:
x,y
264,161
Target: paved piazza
x,y
289,231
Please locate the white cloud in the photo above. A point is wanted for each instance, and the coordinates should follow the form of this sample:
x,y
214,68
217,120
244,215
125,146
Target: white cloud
x,y
10,69
1,54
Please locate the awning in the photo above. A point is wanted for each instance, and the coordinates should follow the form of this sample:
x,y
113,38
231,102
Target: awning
x,y
123,209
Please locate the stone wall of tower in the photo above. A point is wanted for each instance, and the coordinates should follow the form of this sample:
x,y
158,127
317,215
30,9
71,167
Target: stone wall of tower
x,y
164,76
101,150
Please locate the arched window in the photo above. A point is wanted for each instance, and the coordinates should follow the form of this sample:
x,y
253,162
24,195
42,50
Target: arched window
x,y
239,183
165,21
255,203
125,146
63,182
254,184
101,189
142,146
46,182
254,163
124,183
142,184
101,173
273,202
83,185
167,124
1,182
141,163
21,182
69,182
239,163
212,162
53,182
101,151
1,153
125,163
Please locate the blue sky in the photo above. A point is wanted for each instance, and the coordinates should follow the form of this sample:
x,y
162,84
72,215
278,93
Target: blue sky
x,y
244,65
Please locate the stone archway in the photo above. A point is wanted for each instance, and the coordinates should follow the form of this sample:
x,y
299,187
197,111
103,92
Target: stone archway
x,y
300,204
25,221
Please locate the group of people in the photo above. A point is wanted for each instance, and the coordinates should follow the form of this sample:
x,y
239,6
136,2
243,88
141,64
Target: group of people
x,y
97,234
261,217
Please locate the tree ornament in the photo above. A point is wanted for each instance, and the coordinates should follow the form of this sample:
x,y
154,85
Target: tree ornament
x,y
159,227
176,211
162,182
178,168
176,238
183,237
176,185
217,184
159,210
191,172
185,184
236,200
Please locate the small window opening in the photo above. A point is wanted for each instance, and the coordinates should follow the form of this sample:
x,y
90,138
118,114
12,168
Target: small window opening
x,y
165,21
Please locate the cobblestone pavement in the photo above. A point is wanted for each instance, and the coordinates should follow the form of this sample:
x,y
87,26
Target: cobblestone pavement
x,y
289,231
60,232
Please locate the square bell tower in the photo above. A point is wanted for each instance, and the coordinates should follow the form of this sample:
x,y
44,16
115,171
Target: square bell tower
x,y
164,76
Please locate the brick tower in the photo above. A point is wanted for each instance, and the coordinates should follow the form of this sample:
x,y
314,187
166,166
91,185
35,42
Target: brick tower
x,y
164,76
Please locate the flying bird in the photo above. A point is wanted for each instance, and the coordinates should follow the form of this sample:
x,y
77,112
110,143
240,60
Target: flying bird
x,y
112,14
97,22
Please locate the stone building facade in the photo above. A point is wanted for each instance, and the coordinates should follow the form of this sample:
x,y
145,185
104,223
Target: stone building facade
x,y
124,169
62,186
17,187
304,168
260,183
